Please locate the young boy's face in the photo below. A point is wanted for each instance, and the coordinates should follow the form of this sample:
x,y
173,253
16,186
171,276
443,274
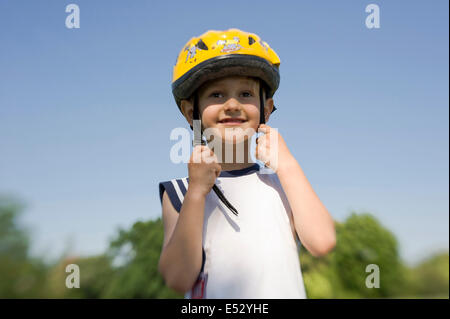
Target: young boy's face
x,y
229,103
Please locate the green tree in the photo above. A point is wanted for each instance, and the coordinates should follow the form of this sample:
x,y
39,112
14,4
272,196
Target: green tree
x,y
21,276
135,255
95,275
430,278
128,269
361,241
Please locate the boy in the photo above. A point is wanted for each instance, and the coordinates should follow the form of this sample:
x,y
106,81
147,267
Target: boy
x,y
243,244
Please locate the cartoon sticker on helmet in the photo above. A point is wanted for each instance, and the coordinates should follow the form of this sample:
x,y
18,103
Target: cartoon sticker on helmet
x,y
230,45
192,51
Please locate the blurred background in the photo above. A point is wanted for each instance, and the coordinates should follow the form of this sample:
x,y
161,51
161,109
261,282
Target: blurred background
x,y
86,116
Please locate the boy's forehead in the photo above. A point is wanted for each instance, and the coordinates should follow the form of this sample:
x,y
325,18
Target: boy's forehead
x,y
231,80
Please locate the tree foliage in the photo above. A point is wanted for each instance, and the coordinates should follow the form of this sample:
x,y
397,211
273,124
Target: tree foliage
x,y
138,251
361,241
430,277
127,270
20,275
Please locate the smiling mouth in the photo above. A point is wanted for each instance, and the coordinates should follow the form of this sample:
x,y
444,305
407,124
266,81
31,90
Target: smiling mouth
x,y
232,121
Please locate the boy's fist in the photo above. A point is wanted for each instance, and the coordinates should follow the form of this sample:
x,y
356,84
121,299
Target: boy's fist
x,y
203,169
271,148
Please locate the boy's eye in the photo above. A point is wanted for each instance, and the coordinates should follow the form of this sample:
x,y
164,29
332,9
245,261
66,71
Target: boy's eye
x,y
216,94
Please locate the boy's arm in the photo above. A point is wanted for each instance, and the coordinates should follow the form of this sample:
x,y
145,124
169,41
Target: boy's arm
x,y
181,256
313,223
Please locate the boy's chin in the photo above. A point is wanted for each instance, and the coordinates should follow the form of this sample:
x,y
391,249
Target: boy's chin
x,y
232,135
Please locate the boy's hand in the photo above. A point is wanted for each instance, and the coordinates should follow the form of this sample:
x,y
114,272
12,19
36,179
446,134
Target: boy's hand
x,y
203,169
271,154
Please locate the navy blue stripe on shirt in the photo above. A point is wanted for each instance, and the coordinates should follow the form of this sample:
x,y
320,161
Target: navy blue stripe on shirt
x,y
182,188
168,187
240,172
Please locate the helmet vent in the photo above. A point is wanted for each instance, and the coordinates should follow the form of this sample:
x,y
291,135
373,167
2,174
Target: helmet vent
x,y
251,40
201,45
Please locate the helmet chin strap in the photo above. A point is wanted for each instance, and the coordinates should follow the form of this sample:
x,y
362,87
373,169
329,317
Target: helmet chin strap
x,y
197,126
262,118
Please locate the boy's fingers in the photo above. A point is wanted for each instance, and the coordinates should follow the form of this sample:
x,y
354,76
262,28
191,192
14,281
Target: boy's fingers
x,y
262,142
209,157
209,153
214,158
263,129
200,148
218,170
200,153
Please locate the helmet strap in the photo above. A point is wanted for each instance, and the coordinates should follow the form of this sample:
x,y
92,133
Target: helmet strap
x,y
197,126
262,118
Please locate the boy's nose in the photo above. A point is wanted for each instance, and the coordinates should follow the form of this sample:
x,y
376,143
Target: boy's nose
x,y
232,105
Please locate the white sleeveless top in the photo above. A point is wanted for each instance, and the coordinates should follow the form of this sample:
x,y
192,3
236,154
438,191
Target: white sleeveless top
x,y
254,255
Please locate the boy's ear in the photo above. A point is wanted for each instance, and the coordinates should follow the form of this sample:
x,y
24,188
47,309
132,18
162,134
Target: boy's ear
x,y
187,108
268,107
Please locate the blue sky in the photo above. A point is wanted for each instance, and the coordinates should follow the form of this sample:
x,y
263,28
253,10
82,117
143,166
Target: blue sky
x,y
86,114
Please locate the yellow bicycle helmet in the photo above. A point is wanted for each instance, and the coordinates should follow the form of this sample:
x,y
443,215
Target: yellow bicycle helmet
x,y
216,54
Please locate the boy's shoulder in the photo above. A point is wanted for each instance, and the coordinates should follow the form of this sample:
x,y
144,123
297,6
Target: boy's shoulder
x,y
176,190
